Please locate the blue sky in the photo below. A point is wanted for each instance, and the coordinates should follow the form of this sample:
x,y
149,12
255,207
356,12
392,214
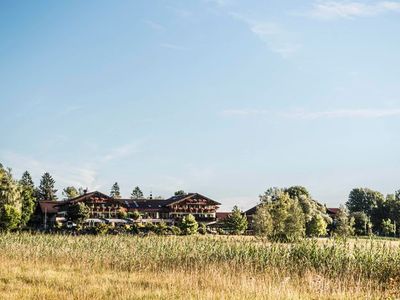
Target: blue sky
x,y
222,97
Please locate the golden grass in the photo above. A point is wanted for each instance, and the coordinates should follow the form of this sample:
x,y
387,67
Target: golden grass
x,y
47,281
113,267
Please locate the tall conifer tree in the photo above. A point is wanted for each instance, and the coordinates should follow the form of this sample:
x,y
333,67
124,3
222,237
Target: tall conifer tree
x,y
115,193
46,188
27,197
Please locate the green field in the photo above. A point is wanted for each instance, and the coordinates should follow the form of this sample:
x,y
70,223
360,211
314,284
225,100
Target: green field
x,y
37,266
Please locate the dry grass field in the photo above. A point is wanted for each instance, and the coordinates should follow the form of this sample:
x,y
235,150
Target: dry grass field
x,y
201,267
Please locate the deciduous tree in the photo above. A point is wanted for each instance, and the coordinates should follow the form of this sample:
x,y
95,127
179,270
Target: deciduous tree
x,y
78,212
388,227
343,225
189,225
294,223
280,218
10,217
317,226
362,224
10,200
70,192
236,222
363,199
262,220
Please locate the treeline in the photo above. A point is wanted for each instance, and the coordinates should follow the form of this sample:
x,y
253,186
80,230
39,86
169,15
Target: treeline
x,y
288,214
284,214
19,198
373,213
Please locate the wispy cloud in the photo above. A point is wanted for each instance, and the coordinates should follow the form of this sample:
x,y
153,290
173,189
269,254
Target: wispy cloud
x,y
121,152
70,110
154,25
173,46
78,174
344,113
64,173
244,112
328,10
312,115
220,2
272,34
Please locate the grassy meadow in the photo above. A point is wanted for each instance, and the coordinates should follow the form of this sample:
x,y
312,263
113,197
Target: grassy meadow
x,y
37,266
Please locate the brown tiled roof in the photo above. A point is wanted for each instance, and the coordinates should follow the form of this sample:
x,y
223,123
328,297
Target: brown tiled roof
x,y
332,210
159,203
179,198
222,215
50,207
88,195
251,211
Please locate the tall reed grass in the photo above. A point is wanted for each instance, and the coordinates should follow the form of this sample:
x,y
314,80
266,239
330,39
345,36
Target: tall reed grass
x,y
372,263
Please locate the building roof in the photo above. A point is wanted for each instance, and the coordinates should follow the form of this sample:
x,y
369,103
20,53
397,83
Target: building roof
x,y
50,207
179,198
332,210
89,196
160,203
251,211
144,203
140,204
222,215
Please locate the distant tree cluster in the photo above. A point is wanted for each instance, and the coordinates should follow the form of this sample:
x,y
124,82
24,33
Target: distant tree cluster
x,y
17,200
372,212
289,214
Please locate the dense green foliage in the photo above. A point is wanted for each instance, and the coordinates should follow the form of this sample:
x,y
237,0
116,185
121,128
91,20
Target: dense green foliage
x,y
10,190
70,192
344,224
236,222
317,226
362,224
376,208
10,217
78,212
388,227
288,214
188,225
262,220
10,201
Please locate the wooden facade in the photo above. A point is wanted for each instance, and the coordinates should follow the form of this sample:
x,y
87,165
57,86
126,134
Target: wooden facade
x,y
170,210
